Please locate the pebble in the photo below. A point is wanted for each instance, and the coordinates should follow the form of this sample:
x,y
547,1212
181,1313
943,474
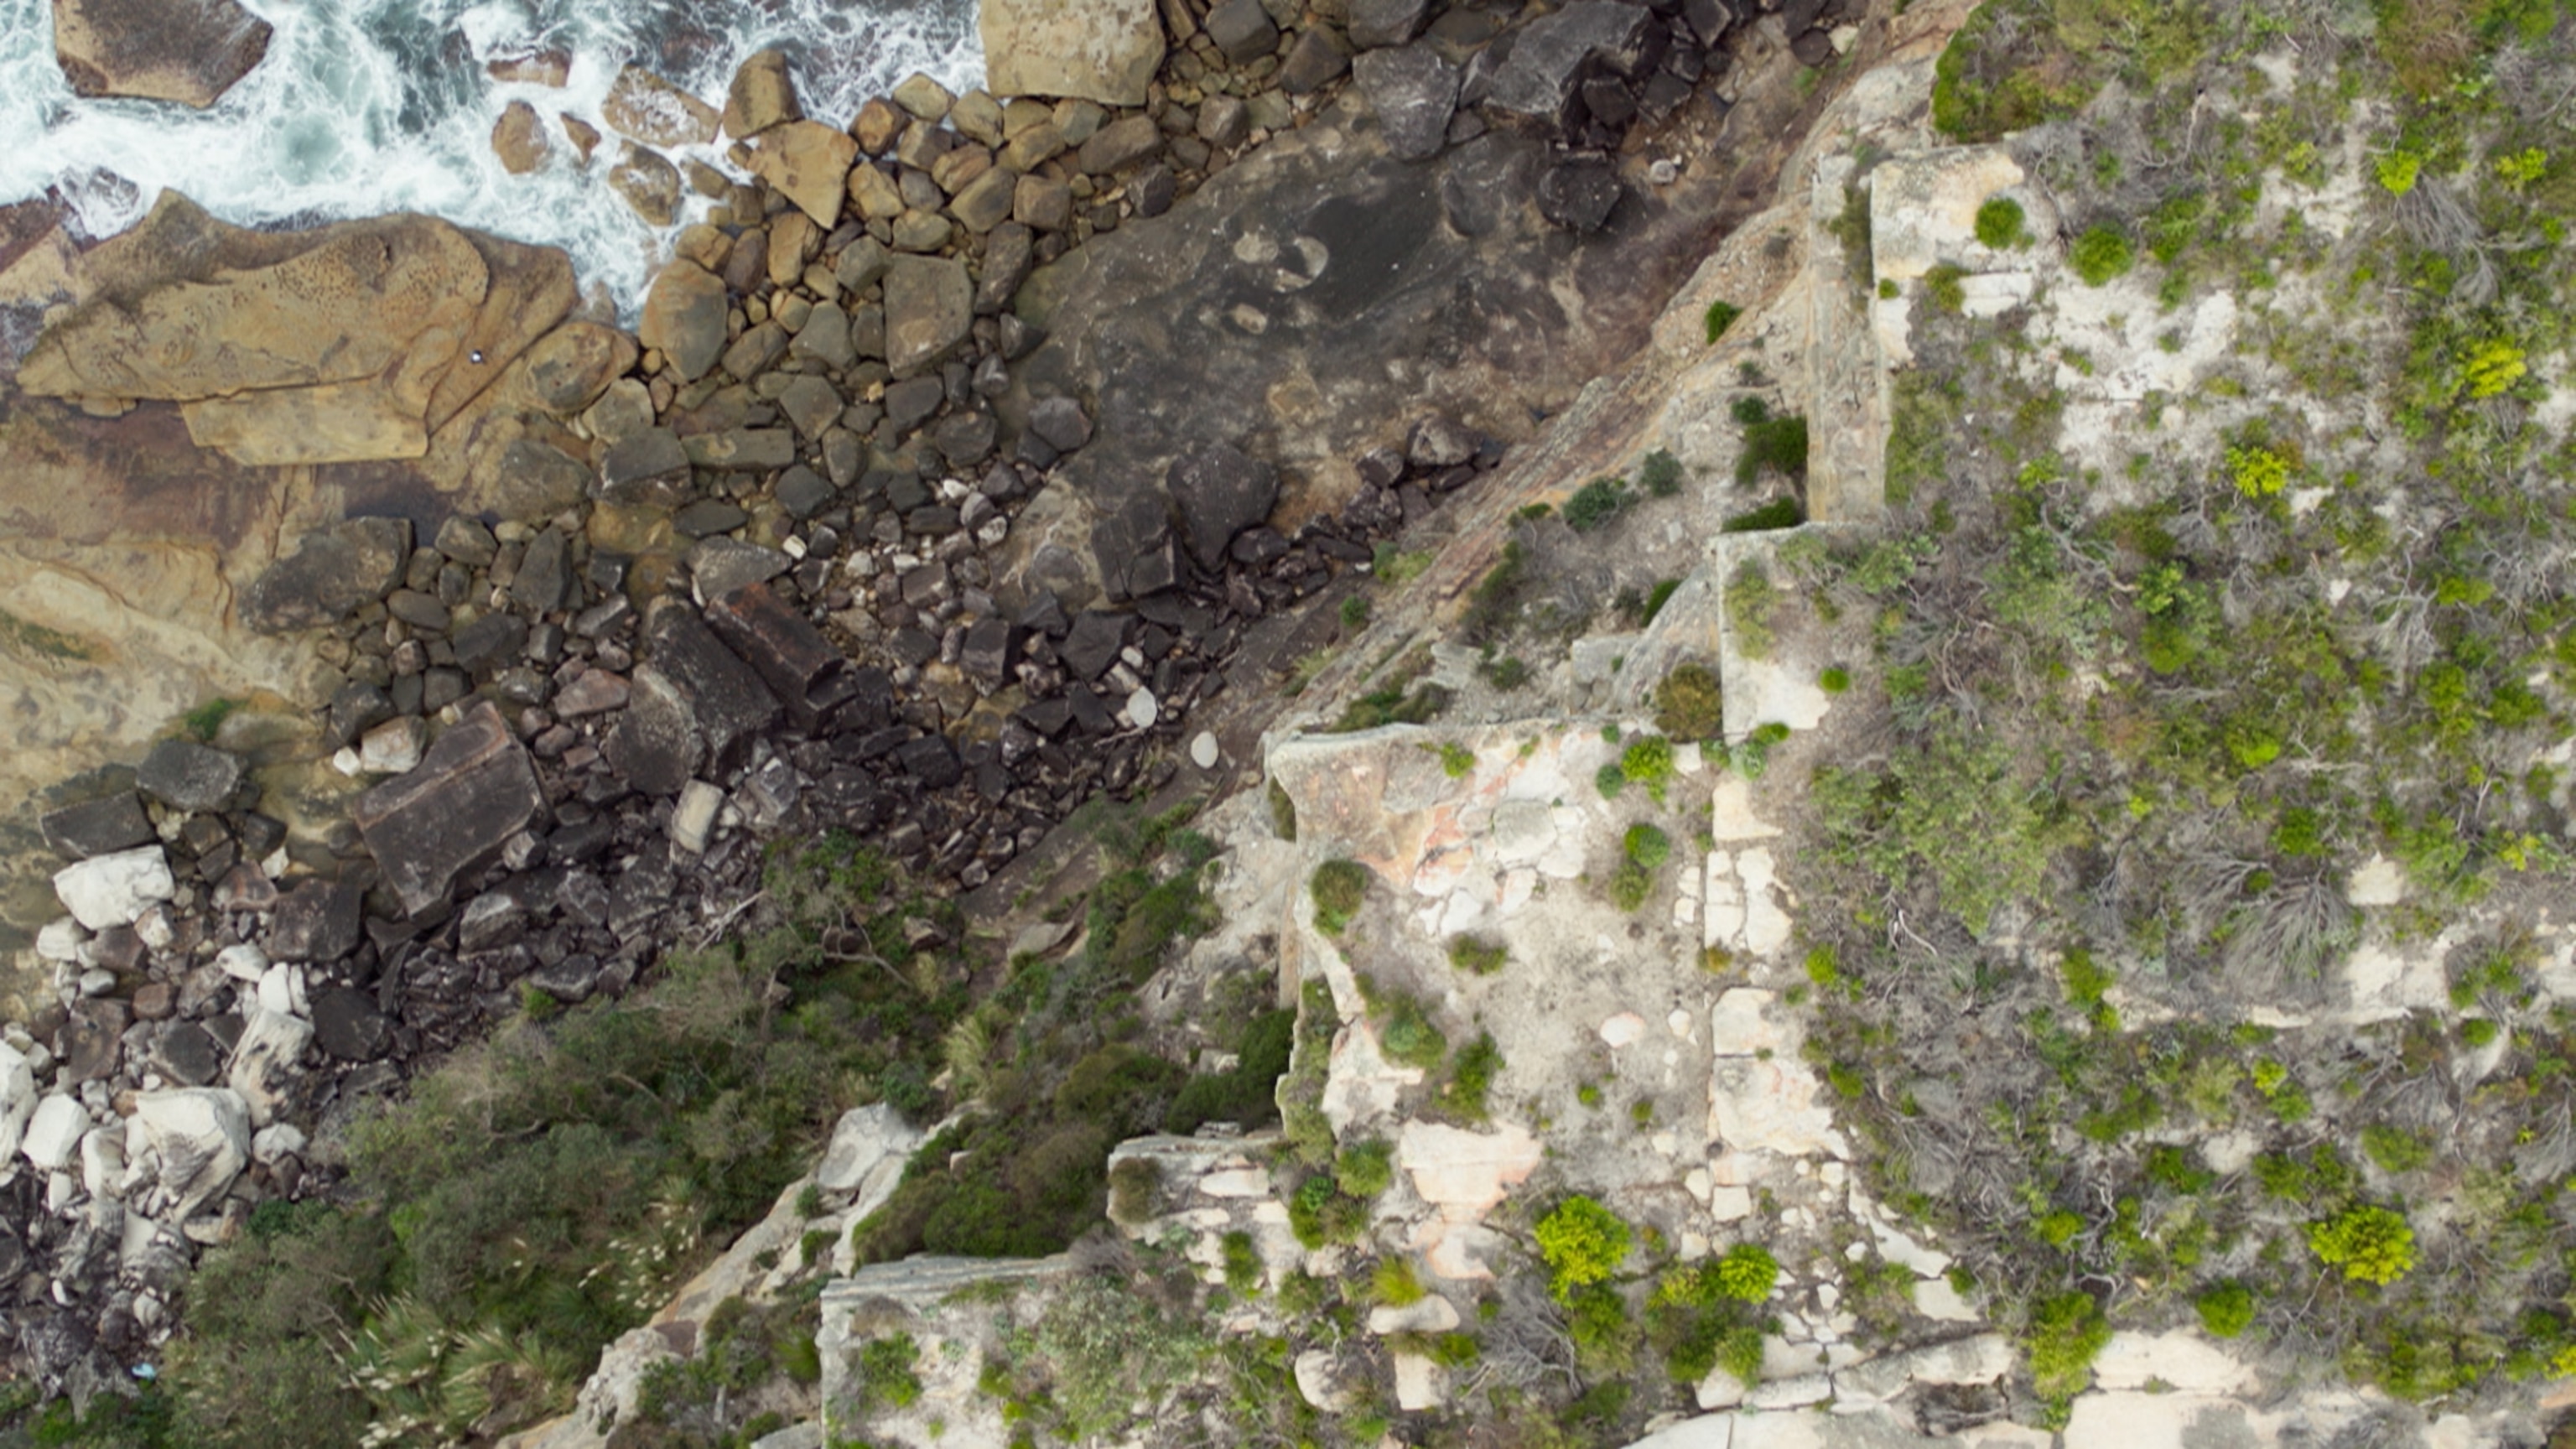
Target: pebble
x,y
1203,750
1142,711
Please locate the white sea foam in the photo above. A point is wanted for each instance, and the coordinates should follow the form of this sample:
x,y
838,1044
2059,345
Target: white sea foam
x,y
364,107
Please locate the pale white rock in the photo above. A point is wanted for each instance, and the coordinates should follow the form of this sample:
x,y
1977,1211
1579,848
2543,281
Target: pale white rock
x,y
1236,1182
1622,1030
345,760
1465,1174
281,989
869,1148
102,1157
394,747
1723,922
158,927
2183,1361
61,940
2136,1420
244,962
614,1388
1766,926
1896,1247
97,983
1203,750
2378,881
1597,657
1741,1025
1142,710
275,1141
1731,816
113,889
1679,1023
1720,1390
17,1099
200,1136
1319,1381
1708,1431
1459,1252
1429,1314
267,1062
1935,1299
693,818
1420,1384
53,1134
1791,1393
1523,831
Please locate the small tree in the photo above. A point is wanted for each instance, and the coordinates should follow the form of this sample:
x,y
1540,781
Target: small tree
x,y
2370,1244
1583,1242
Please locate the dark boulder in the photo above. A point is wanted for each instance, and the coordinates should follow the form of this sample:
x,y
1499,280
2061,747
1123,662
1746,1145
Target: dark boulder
x,y
1413,91
186,775
1549,56
474,790
96,827
330,573
730,704
1220,491
1580,194
1376,23
349,1026
317,921
654,746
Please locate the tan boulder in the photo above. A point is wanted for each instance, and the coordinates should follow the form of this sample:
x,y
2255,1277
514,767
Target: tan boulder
x,y
1096,50
642,106
351,343
877,125
684,318
582,134
548,68
519,139
808,163
763,95
189,51
648,182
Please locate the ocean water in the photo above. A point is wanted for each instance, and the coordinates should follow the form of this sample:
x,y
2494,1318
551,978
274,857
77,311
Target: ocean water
x,y
364,107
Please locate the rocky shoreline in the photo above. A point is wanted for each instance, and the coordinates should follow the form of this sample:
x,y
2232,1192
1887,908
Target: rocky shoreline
x,y
760,571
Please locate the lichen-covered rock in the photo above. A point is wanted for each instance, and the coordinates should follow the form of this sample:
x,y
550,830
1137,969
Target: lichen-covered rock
x,y
1094,50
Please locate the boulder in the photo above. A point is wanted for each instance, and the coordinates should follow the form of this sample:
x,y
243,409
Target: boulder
x,y
867,1155
519,139
189,776
1413,91
1094,50
551,68
727,700
763,95
17,1098
654,746
201,1136
684,318
318,921
1317,59
649,183
1121,145
1220,491
475,789
97,827
1549,57
808,163
268,1062
929,309
112,889
189,51
645,108
1579,194
330,573
1243,30
649,467
350,343
54,1133
1376,23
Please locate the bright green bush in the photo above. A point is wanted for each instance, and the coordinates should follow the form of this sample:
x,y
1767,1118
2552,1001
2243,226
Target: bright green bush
x,y
1477,956
1720,316
1747,1273
1582,1243
1999,223
2370,1244
2067,1332
1366,1168
2100,255
2226,1309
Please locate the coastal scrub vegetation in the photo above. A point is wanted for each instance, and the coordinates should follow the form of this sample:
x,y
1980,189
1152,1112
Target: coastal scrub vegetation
x,y
2164,723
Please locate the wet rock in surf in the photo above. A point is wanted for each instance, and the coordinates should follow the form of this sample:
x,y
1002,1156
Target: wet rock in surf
x,y
189,51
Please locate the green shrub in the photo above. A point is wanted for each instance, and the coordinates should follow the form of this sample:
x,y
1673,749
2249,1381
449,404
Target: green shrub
x,y
1720,316
2257,472
1582,1243
1405,1031
1946,285
1834,680
2100,255
1394,1283
886,1371
1365,1168
2067,1331
1648,762
1750,603
1477,956
2226,1309
1339,887
1999,224
1647,845
1456,760
2397,171
1771,517
1609,780
1355,612
1775,443
1242,1263
1660,474
1630,885
2370,1244
1689,703
1747,1273
2394,1148
1283,812
1596,503
1471,1080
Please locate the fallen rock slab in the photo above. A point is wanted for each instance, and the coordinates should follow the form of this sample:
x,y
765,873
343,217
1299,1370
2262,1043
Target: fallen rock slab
x,y
1092,50
202,1138
112,889
474,790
